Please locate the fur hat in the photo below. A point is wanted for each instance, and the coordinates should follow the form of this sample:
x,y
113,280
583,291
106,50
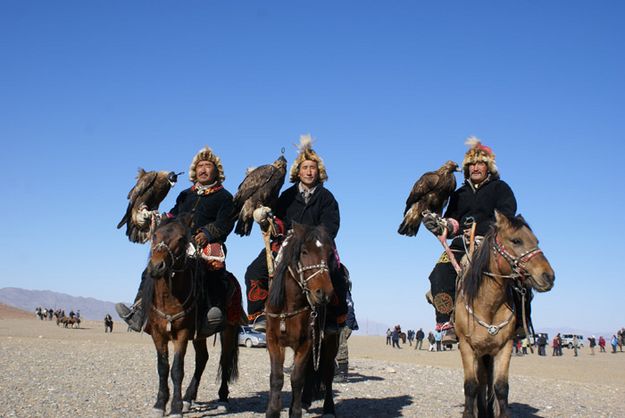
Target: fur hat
x,y
306,153
478,152
206,154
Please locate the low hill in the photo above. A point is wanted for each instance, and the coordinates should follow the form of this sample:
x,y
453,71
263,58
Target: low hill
x,y
28,300
10,312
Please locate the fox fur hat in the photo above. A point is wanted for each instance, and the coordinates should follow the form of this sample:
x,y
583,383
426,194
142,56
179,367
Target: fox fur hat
x,y
478,152
206,154
306,153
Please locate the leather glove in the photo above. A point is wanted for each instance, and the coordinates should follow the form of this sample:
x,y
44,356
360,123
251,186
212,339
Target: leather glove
x,y
144,216
261,216
438,225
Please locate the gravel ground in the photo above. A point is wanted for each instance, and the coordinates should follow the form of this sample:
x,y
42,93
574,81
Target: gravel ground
x,y
54,372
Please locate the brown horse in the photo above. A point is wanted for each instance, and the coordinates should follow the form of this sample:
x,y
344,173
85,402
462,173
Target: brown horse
x,y
170,298
507,261
295,310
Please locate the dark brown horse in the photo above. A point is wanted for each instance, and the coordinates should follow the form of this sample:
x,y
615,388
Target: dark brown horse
x,y
295,310
507,261
170,299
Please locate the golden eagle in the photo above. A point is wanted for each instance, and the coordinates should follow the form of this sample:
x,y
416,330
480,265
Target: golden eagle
x,y
430,192
260,187
143,198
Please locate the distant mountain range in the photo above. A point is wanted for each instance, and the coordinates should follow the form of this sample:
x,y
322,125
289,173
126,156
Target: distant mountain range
x,y
28,300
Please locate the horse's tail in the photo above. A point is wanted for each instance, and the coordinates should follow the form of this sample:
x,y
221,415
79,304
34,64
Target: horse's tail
x,y
229,363
147,297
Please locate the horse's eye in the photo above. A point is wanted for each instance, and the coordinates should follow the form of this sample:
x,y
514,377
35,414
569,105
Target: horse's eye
x,y
516,241
304,252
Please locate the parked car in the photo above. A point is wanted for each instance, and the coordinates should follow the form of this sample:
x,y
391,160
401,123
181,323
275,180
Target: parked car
x,y
567,340
250,338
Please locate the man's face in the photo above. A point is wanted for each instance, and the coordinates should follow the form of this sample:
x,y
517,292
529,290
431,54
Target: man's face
x,y
206,172
478,172
308,173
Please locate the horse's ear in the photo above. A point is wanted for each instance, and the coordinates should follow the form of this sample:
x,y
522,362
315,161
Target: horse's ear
x,y
501,219
297,227
521,218
186,219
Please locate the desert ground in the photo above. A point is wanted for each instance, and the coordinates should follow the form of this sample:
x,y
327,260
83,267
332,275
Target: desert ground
x,y
48,371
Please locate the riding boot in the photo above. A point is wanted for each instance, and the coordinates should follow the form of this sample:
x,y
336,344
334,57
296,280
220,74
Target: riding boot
x,y
215,298
133,316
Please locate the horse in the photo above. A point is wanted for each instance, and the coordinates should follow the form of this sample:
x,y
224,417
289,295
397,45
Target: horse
x,y
108,323
170,299
507,261
295,310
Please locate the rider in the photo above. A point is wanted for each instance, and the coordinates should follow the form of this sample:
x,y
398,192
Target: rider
x,y
307,202
211,206
475,201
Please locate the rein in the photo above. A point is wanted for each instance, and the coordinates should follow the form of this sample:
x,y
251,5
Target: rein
x,y
519,273
172,272
302,281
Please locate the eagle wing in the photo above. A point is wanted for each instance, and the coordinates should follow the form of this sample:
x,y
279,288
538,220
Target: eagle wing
x,y
259,188
148,192
431,192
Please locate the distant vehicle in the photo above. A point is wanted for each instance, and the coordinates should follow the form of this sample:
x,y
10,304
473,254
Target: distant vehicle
x,y
250,338
567,340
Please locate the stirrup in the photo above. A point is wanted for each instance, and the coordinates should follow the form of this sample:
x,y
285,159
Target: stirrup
x,y
260,323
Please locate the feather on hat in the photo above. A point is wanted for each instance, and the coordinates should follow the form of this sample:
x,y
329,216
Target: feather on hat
x,y
306,153
478,152
206,154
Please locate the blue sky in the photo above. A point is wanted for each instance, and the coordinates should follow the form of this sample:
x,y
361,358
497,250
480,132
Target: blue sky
x,y
89,91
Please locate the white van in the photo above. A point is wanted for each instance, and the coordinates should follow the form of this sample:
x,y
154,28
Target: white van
x,y
567,340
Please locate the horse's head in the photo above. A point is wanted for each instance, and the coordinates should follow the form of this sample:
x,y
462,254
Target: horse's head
x,y
517,246
307,257
169,246
313,265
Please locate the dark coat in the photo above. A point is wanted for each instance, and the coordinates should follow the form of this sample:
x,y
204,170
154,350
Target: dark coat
x,y
322,209
211,212
481,203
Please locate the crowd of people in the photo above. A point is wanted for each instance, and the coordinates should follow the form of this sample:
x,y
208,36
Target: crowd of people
x,y
521,346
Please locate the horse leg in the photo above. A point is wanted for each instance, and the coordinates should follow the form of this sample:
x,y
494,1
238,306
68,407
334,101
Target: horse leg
x,y
177,373
470,365
162,365
201,357
501,366
298,376
330,348
276,378
229,360
485,387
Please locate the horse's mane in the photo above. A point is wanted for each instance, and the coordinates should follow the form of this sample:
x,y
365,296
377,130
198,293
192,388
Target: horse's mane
x,y
473,278
290,257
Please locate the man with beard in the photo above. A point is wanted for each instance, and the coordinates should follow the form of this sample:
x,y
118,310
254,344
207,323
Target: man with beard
x,y
211,208
474,202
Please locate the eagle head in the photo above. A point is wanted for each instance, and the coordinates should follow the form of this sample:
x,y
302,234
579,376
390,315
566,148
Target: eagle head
x,y
280,163
450,167
172,177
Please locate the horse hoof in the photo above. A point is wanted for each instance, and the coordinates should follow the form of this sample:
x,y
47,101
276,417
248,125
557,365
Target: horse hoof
x,y
186,406
157,413
222,406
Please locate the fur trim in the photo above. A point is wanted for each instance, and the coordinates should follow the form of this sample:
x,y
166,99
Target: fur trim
x,y
478,152
206,154
306,153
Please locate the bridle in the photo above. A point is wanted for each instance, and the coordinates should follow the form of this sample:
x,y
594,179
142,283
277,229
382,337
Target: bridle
x,y
518,275
302,281
190,302
517,264
174,259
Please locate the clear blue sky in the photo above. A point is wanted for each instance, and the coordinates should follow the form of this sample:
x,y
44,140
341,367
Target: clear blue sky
x,y
89,91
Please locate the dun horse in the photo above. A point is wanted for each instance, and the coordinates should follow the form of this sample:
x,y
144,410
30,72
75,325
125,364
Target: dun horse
x,y
507,261
296,318
171,303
